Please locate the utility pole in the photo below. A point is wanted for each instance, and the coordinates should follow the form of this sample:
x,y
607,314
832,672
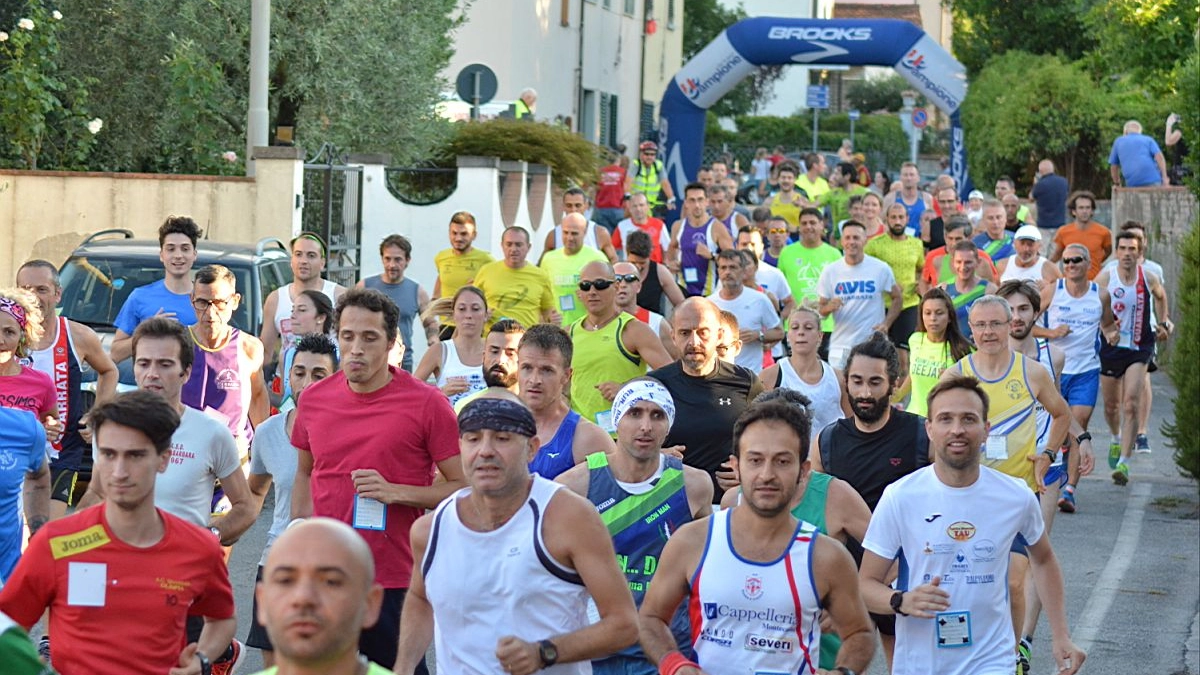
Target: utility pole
x,y
256,120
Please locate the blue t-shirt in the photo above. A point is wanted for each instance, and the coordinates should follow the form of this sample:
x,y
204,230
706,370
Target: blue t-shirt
x,y
1050,193
145,301
22,449
1134,153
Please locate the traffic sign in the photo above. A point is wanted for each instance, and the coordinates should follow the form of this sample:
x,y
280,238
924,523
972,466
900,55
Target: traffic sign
x,y
920,118
855,115
817,96
476,84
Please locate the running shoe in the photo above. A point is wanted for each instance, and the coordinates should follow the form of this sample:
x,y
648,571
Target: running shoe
x,y
1141,445
1066,503
1120,475
1114,453
226,665
1023,648
44,648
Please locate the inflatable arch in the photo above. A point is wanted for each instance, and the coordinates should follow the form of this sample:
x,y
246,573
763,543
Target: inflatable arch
x,y
764,41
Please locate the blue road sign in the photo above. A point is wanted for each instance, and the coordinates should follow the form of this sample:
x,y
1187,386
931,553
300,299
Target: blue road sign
x,y
817,96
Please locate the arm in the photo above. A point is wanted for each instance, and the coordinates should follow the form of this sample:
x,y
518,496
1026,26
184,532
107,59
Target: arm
x,y
827,306
699,489
1114,172
604,239
430,364
1160,298
270,334
437,287
1047,394
92,353
1162,168
368,483
430,323
837,583
671,255
1047,295
642,341
670,288
588,439
814,455
848,509
302,504
215,637
259,484
36,496
1048,579
671,584
921,602
416,619
576,479
243,510
664,336
122,346
722,239
260,396
897,304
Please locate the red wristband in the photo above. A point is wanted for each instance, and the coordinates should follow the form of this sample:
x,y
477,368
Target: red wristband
x,y
673,661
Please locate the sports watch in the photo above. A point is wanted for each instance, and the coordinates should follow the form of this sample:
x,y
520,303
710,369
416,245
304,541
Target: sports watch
x,y
205,664
896,601
548,652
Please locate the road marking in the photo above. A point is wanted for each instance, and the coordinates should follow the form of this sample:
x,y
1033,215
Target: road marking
x,y
1091,621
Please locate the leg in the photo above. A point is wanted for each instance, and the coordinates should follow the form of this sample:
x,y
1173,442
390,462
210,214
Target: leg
x,y
1110,387
1132,387
1144,404
1033,605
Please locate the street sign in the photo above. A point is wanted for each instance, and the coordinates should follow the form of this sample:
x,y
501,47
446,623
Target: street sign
x,y
855,115
920,118
817,96
476,84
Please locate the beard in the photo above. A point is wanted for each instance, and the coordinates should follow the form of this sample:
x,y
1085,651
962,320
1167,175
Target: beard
x,y
875,410
497,376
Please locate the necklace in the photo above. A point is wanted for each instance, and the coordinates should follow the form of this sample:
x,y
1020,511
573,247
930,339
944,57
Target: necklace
x,y
597,325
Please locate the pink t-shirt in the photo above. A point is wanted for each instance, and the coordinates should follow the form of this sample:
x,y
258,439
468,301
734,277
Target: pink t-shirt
x,y
30,390
401,431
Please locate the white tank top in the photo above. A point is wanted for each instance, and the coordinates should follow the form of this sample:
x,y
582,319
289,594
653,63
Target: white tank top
x,y
1032,273
755,617
1124,300
1081,346
283,311
452,366
826,395
520,591
589,236
1043,417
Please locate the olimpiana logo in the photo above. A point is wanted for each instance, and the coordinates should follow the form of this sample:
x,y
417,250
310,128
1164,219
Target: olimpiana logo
x,y
693,87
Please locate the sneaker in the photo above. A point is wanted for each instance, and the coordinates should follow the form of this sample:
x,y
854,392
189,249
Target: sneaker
x,y
1066,503
43,648
1023,648
1141,445
1114,454
229,661
1120,475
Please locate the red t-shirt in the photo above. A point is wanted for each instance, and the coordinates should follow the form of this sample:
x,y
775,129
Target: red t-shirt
x,y
610,189
401,430
145,594
30,390
933,265
660,236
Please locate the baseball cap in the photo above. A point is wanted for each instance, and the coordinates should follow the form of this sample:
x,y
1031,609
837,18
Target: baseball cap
x,y
975,194
1028,232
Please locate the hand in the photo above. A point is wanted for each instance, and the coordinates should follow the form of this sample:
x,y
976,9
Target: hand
x,y
926,600
188,663
162,312
455,385
518,657
1061,331
703,251
85,432
1087,460
675,451
1041,464
54,428
1067,656
671,202
727,477
748,336
554,317
608,390
834,304
672,266
1112,336
880,328
369,483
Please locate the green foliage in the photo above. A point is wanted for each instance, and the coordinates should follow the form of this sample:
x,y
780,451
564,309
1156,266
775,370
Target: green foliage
x,y
1144,39
703,21
879,94
199,130
984,29
1185,360
44,120
572,159
880,137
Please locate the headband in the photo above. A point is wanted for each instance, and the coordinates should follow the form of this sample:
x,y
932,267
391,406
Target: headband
x,y
15,310
642,390
497,414
312,237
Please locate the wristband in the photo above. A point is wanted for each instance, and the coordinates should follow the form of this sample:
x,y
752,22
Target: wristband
x,y
673,661
1051,454
1085,436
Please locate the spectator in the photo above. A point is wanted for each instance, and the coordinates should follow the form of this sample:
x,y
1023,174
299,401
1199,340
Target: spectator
x,y
1136,159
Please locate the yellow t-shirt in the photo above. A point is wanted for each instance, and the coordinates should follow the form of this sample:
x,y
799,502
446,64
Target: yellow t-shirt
x,y
521,294
456,271
906,258
814,189
564,272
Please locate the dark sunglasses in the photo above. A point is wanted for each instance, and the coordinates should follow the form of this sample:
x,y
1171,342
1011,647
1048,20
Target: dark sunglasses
x,y
627,278
600,284
1073,261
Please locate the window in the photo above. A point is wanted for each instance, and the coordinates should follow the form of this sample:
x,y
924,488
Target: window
x,y
646,120
630,7
587,115
608,120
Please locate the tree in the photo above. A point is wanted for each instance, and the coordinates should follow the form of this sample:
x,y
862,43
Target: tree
x,y
703,21
879,93
1144,40
984,29
363,76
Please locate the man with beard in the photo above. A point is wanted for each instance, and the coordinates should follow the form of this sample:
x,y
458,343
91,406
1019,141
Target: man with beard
x,y
878,444
910,195
755,561
906,256
641,478
951,594
457,265
499,359
543,375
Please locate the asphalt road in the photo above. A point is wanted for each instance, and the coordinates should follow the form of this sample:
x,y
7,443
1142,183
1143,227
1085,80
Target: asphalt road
x,y
1130,557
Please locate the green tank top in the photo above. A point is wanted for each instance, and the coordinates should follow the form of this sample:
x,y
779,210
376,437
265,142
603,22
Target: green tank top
x,y
811,509
600,356
926,361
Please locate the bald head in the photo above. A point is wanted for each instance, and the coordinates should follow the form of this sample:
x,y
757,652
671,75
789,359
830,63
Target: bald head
x,y
624,268
1045,167
596,270
574,227
325,534
697,332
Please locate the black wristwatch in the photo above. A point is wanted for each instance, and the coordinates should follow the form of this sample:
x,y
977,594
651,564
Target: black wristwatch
x,y
548,653
845,671
205,664
896,601
1085,436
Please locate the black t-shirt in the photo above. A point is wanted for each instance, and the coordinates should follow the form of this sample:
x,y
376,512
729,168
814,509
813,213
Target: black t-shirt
x,y
705,410
937,234
869,462
650,297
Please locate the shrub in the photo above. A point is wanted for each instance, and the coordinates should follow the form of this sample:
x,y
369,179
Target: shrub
x,y
571,158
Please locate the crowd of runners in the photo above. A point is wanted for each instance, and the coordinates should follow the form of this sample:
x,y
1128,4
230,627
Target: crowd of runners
x,y
764,437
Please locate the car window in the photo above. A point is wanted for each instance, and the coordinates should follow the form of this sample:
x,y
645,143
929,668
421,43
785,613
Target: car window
x,y
95,288
284,268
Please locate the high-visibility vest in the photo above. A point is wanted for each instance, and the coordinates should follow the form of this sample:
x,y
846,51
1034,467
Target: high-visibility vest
x,y
646,181
520,109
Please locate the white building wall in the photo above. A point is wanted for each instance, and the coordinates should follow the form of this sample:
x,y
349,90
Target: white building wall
x,y
789,91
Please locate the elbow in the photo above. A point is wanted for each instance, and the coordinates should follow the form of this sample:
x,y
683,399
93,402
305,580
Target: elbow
x,y
625,627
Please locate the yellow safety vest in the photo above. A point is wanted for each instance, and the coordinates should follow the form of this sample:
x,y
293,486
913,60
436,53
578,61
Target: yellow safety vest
x,y
646,181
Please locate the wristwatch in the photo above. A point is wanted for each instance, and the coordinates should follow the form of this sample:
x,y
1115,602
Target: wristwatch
x,y
205,664
548,653
216,533
845,671
1085,436
896,601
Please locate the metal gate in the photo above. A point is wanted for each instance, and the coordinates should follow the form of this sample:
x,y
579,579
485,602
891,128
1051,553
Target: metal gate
x,y
333,209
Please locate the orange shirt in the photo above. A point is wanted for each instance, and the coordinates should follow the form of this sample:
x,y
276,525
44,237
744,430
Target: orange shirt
x,y
1093,235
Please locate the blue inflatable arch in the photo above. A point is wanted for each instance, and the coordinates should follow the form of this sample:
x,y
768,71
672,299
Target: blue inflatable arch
x,y
764,41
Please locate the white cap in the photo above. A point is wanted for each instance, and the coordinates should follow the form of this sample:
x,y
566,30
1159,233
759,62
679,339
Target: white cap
x,y
975,194
1028,232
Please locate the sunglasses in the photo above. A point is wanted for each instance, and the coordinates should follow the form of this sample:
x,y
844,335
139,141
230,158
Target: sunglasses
x,y
627,278
1073,261
600,284
777,230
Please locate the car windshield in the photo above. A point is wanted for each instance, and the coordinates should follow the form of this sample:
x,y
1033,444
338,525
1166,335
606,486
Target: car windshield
x,y
94,288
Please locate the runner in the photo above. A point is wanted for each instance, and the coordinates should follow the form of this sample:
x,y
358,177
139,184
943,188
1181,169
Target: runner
x,y
457,265
547,551
629,287
757,315
967,287
395,252
24,485
457,362
951,600
23,387
695,242
513,287
308,263
630,485
805,372
756,577
852,291
565,264
906,256
935,345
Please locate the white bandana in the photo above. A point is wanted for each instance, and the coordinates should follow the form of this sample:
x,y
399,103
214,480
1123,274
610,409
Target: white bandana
x,y
642,390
